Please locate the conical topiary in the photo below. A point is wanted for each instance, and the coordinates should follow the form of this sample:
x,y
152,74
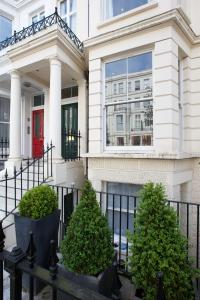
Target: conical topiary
x,y
158,245
87,246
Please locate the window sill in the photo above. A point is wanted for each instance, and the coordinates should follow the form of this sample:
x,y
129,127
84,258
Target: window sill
x,y
135,11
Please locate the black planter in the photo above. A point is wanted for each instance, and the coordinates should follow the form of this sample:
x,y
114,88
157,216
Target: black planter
x,y
44,230
106,283
139,293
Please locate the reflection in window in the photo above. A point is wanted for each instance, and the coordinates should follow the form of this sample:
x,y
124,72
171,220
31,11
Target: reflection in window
x,y
132,108
4,117
113,8
120,122
5,28
127,202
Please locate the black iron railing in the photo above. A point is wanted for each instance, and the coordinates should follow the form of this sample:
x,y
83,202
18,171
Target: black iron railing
x,y
31,173
71,145
121,211
4,148
18,263
39,26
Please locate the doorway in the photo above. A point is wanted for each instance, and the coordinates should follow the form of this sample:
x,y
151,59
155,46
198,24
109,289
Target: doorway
x,y
38,133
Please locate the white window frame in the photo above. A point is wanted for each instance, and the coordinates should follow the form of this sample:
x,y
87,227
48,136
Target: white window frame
x,y
68,14
127,149
37,15
104,18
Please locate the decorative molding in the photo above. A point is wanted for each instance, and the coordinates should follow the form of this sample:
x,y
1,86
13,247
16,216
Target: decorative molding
x,y
175,16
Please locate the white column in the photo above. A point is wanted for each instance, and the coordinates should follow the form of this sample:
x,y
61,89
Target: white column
x,y
55,107
82,113
15,117
46,117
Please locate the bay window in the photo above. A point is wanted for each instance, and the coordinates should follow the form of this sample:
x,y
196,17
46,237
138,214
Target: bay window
x,y
68,13
129,108
114,8
5,28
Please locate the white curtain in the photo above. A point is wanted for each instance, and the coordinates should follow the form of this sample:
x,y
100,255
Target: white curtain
x,y
108,9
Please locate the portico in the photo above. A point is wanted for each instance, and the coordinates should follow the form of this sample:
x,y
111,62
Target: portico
x,y
41,74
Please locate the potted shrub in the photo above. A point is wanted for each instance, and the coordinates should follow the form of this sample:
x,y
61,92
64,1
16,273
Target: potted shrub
x,y
87,249
38,212
158,245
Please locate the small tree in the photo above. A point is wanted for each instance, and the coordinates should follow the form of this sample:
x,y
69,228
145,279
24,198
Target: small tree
x,y
87,247
158,245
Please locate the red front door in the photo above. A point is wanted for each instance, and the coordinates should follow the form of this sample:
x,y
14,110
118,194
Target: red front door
x,y
38,133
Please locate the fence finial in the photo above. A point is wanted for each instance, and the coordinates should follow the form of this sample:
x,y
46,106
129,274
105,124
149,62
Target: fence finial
x,y
31,251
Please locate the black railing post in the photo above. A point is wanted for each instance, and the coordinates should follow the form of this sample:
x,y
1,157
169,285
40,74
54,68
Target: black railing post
x,y
28,163
51,146
53,268
21,179
31,258
2,243
79,145
56,14
43,163
160,289
6,192
15,36
10,266
15,185
33,27
47,160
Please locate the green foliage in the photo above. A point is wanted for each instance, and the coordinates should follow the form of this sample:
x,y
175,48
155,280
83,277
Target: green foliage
x,y
158,245
38,202
87,247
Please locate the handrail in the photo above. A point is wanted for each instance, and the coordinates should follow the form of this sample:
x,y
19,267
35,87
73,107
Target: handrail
x,y
39,26
16,174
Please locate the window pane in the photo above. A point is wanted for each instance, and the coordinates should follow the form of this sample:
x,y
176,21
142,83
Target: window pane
x,y
5,28
131,122
72,5
72,22
63,8
42,16
35,19
38,100
117,7
4,110
116,74
4,131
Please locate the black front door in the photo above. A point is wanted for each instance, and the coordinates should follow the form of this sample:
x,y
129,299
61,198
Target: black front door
x,y
70,131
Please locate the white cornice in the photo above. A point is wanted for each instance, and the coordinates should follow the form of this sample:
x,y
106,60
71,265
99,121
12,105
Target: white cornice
x,y
16,4
175,15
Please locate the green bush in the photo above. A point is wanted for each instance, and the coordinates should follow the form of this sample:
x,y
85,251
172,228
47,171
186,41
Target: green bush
x,y
38,202
158,245
87,246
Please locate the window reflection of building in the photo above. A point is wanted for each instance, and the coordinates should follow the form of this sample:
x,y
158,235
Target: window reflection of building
x,y
129,112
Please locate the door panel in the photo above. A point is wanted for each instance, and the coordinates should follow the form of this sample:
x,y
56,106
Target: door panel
x,y
70,131
38,133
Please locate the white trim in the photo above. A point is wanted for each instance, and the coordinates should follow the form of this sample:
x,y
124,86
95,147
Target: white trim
x,y
107,21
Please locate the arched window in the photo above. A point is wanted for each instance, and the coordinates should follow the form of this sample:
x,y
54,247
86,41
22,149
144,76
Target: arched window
x,y
5,28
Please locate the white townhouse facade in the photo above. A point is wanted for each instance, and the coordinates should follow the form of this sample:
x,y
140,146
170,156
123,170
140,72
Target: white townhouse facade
x,y
139,120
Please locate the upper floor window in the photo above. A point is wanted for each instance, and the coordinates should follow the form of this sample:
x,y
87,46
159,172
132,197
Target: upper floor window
x,y
38,17
114,8
68,13
5,28
132,109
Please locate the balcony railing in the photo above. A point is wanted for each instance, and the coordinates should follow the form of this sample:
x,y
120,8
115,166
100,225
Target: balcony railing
x,y
39,26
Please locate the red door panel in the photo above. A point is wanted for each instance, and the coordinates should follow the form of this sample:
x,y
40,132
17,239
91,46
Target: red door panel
x,y
38,133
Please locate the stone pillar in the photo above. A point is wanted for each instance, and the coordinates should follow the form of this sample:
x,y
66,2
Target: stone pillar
x,y
55,107
15,117
82,114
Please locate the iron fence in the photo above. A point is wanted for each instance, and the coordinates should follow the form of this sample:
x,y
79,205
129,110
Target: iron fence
x,y
121,211
71,145
39,26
